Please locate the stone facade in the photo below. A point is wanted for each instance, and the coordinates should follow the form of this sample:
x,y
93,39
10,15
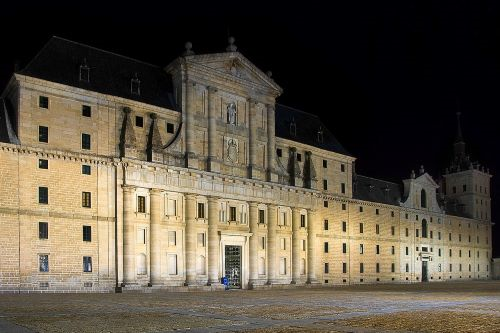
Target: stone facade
x,y
180,196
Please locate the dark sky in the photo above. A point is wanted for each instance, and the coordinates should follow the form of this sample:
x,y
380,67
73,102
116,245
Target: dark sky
x,y
388,76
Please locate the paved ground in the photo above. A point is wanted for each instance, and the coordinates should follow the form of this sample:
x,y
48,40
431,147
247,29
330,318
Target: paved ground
x,y
438,307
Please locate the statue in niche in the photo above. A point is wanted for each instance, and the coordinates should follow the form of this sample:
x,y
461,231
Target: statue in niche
x,y
232,150
231,113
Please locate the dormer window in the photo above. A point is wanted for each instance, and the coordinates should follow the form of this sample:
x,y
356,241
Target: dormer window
x,y
293,128
320,135
135,85
84,71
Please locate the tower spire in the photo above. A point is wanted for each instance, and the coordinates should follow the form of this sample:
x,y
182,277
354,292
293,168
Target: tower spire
x,y
459,137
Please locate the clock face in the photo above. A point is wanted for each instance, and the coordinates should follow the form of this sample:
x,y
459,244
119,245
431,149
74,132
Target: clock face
x,y
232,150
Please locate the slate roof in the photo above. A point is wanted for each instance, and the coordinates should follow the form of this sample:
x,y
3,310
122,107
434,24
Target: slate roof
x,y
376,190
60,60
307,126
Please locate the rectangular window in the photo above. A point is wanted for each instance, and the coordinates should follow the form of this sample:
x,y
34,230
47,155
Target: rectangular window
x,y
361,249
86,201
393,250
325,225
416,232
43,230
326,247
407,268
327,268
87,233
377,212
43,195
431,234
344,206
282,220
232,213
392,213
303,245
451,268
342,167
344,267
464,188
139,121
325,204
361,267
141,236
449,237
201,239
282,266
201,210
172,264
325,184
406,232
172,238
262,216
325,164
393,268
141,204
86,111
377,229
361,209
170,128
43,134
171,207
263,243
439,252
344,247
279,152
406,251
344,226
86,170
393,230
302,221
439,235
342,187
43,164
299,157
43,262
361,228
85,141
43,102
377,268
377,249
450,252
87,264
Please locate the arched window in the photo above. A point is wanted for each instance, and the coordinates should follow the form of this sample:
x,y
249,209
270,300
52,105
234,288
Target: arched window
x,y
423,199
424,228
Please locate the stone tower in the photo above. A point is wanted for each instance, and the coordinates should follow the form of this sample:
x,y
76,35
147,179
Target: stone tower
x,y
466,183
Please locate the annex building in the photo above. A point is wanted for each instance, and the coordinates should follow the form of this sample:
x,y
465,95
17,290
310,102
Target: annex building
x,y
115,173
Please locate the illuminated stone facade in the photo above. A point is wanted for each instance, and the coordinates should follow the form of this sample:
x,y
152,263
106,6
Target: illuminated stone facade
x,y
117,173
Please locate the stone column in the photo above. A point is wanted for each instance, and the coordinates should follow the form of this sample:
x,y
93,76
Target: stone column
x,y
311,246
254,242
295,245
129,234
252,137
213,242
212,164
272,214
189,123
190,237
155,221
271,145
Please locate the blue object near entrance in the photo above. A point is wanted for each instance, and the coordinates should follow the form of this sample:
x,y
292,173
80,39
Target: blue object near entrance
x,y
225,281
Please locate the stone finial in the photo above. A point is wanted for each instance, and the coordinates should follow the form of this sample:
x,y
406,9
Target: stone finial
x,y
412,174
422,170
189,49
231,47
269,73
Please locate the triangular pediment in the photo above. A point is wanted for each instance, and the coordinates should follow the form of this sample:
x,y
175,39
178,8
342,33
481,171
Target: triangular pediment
x,y
235,66
426,179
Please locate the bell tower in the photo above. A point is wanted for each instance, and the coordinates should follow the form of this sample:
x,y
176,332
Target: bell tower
x,y
466,183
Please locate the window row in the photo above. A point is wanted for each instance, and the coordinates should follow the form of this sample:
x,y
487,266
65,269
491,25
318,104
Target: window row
x,y
43,136
43,231
43,263
44,164
43,197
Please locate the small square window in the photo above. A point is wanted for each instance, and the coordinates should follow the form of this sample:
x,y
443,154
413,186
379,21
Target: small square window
x,y
43,164
87,264
170,128
344,207
139,121
325,204
43,102
43,134
86,111
279,152
43,195
377,212
361,209
87,233
299,157
86,200
86,170
85,141
325,164
43,230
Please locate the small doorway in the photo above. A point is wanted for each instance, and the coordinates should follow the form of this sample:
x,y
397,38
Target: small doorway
x,y
233,266
424,272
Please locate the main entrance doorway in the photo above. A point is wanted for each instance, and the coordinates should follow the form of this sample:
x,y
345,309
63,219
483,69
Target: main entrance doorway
x,y
233,266
424,272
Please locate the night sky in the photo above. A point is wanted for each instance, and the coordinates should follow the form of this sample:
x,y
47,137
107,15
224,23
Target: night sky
x,y
388,77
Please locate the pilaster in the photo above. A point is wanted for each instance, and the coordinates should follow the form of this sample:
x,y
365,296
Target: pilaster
x,y
128,235
155,221
271,243
190,238
213,242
